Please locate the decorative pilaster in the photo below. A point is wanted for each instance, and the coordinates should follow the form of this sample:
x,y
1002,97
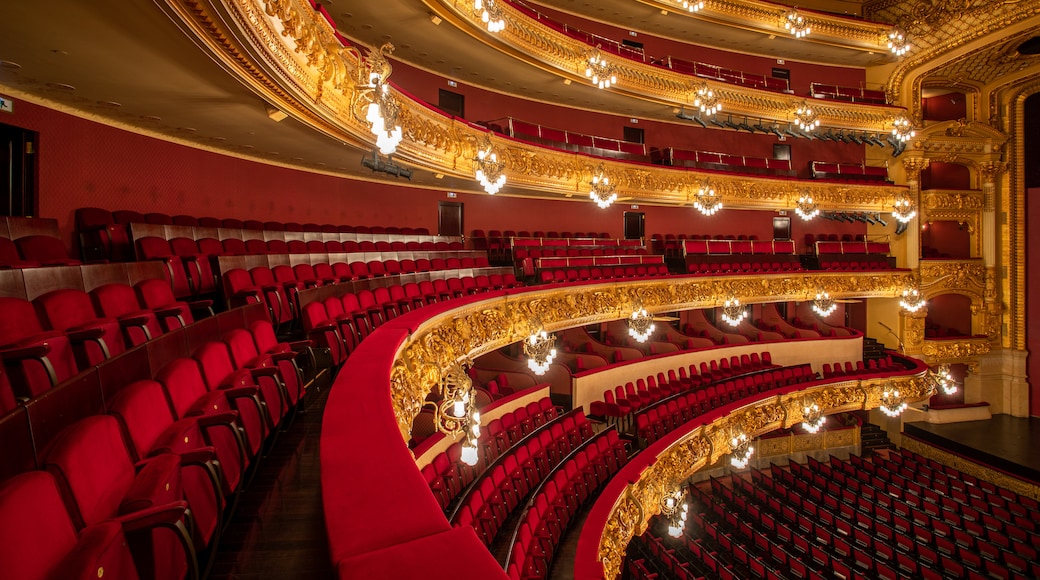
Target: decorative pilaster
x,y
913,166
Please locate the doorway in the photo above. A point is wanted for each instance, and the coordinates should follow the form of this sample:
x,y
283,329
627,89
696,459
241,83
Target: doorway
x,y
449,218
635,222
17,171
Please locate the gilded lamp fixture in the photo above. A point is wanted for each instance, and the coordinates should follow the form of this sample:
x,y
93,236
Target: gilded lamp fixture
x,y
912,300
823,304
898,42
540,350
904,209
383,109
693,5
456,413
490,12
942,380
490,171
903,129
805,118
733,312
706,200
796,24
741,450
806,207
601,190
676,509
600,71
706,100
812,417
640,325
892,403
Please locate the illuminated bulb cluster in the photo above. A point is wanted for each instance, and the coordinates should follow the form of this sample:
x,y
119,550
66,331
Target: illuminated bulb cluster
x,y
600,71
540,349
805,118
807,208
813,418
902,129
490,14
732,312
797,24
601,189
706,100
693,6
944,380
904,210
742,451
897,42
640,325
490,171
382,114
824,305
912,300
892,404
677,511
707,201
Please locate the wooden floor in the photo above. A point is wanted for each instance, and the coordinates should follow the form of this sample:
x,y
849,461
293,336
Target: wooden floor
x,y
278,530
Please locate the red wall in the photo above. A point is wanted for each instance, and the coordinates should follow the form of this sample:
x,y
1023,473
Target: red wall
x,y
87,164
1033,302
945,237
950,311
946,176
948,107
483,105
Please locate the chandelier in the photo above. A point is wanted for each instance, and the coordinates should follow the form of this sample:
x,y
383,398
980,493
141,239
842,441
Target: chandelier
x,y
797,24
824,305
601,190
897,42
640,325
706,200
540,350
675,508
490,171
383,109
490,14
741,450
943,380
812,418
693,5
912,301
892,403
456,413
806,207
902,129
733,312
904,209
602,72
706,100
805,118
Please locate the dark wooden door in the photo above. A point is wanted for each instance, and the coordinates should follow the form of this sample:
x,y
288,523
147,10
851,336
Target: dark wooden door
x,y
449,218
17,171
635,222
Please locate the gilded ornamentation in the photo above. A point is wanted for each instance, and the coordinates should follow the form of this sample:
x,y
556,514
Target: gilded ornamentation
x,y
953,351
914,166
940,276
971,468
952,200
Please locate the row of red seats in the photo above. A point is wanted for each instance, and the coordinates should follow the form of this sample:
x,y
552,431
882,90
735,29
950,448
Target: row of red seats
x,y
851,369
854,265
556,502
340,323
34,251
492,499
763,266
729,247
602,273
618,404
659,420
649,557
536,253
853,94
447,476
91,217
158,473
49,340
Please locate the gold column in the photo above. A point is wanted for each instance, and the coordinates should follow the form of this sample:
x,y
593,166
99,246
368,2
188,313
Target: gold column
x,y
913,166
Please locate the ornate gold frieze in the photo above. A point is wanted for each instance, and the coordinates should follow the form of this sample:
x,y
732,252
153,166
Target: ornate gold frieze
x,y
529,39
966,350
967,202
958,276
467,332
706,445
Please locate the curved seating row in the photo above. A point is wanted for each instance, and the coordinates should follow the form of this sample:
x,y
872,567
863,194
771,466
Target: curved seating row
x,y
588,274
34,251
750,265
49,340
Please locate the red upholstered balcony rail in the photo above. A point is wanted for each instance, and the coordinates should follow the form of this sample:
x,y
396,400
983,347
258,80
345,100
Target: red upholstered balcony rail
x,y
851,94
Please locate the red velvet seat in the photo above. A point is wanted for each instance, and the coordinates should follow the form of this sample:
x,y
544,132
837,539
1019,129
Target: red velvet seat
x,y
38,539
10,258
35,359
94,339
324,332
282,306
91,462
155,248
196,265
119,301
220,374
46,250
171,313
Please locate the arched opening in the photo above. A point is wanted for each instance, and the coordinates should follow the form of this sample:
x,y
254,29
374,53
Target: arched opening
x,y
949,316
1031,168
945,240
943,105
945,176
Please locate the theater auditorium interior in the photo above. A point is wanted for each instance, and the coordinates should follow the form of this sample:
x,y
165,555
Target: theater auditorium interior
x,y
519,289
